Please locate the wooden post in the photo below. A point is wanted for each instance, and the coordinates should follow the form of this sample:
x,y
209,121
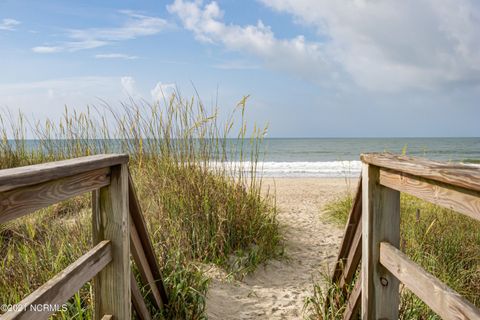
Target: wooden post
x,y
380,222
112,294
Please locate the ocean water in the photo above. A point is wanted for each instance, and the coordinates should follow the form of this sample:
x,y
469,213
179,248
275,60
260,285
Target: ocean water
x,y
340,157
334,157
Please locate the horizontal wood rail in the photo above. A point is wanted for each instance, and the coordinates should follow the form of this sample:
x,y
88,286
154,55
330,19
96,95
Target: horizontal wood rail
x,y
119,230
455,198
61,287
453,174
372,235
444,301
16,203
30,175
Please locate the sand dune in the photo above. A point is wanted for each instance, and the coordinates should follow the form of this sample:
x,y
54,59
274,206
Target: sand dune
x,y
277,290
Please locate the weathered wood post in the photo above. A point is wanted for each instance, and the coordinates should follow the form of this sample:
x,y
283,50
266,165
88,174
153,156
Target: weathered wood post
x,y
380,222
111,222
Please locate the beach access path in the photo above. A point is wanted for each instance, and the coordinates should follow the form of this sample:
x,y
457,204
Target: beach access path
x,y
278,290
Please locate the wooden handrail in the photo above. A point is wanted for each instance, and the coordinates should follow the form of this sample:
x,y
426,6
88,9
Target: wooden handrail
x,y
18,202
138,302
443,300
353,258
455,198
142,250
30,175
353,302
117,220
61,287
459,175
374,221
349,256
354,220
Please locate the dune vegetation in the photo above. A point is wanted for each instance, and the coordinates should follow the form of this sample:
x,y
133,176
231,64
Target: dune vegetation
x,y
443,242
198,209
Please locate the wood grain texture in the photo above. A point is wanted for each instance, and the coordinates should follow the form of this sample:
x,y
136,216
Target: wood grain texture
x,y
459,175
457,199
143,235
30,175
112,294
143,266
353,258
447,303
353,303
23,200
354,219
380,222
138,302
107,317
61,287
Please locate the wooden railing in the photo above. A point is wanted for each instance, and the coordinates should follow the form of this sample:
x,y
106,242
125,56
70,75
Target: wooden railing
x,y
118,229
372,236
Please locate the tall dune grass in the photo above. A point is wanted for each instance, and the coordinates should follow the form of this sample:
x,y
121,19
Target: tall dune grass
x,y
443,242
196,212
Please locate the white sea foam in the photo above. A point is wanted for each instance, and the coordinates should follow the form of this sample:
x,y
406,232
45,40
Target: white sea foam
x,y
301,169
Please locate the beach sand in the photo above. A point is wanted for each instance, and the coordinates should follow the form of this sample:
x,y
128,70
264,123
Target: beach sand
x,y
278,290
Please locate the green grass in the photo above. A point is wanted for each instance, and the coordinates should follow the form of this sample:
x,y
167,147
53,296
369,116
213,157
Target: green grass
x,y
196,212
443,242
327,301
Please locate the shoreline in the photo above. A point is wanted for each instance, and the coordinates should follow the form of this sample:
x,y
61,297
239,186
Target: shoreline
x,y
309,178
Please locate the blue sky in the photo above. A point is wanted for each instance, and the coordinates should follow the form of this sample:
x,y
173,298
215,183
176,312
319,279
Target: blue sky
x,y
313,68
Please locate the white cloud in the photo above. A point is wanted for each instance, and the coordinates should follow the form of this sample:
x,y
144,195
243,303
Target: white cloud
x,y
236,65
390,45
162,91
47,98
137,25
8,24
307,59
46,49
50,93
61,84
128,85
385,45
115,56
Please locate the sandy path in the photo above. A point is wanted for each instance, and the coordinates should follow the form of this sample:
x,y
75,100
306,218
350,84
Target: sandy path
x,y
277,291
